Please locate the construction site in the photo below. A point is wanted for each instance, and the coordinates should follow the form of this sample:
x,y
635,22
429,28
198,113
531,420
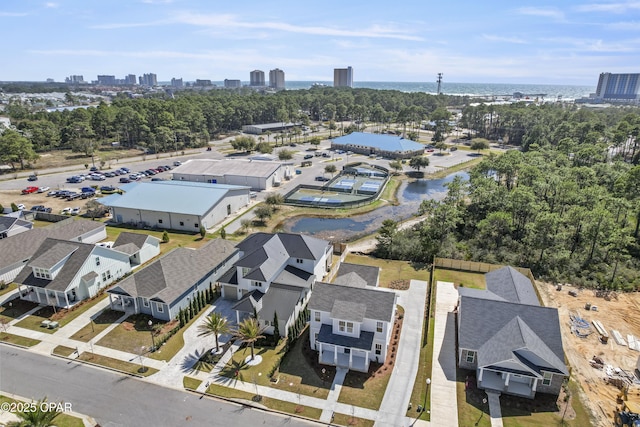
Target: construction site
x,y
601,337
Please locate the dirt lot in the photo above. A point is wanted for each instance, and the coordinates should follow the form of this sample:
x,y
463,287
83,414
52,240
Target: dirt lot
x,y
620,312
13,196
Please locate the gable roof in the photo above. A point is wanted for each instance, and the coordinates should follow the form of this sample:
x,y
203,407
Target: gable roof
x,y
22,246
169,277
8,222
379,141
281,299
500,330
183,197
510,284
351,279
136,239
50,252
368,273
380,305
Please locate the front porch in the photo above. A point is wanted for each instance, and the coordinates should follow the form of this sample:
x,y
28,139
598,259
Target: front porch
x,y
126,304
48,297
507,383
343,357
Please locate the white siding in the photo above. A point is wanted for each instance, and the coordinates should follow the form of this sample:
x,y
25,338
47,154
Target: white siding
x,y
115,262
149,250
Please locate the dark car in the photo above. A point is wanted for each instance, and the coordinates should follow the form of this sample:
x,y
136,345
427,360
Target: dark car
x,y
322,178
308,156
73,196
150,172
125,180
126,170
110,174
32,178
94,169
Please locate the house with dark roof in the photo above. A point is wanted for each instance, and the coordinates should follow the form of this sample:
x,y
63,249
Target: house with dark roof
x,y
512,343
351,325
274,276
61,273
358,274
10,226
140,247
166,285
390,146
16,250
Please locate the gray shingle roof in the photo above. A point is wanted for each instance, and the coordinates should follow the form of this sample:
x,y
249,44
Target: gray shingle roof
x,y
379,304
171,276
248,302
127,248
128,238
498,329
368,273
351,311
66,273
53,256
281,299
362,342
510,284
351,279
6,222
22,246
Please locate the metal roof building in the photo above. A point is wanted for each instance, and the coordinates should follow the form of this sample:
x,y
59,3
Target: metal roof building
x,y
258,175
176,205
391,146
269,127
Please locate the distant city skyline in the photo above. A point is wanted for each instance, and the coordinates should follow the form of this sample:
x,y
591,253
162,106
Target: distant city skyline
x,y
495,41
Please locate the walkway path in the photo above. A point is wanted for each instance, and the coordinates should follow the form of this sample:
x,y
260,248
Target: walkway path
x,y
444,404
396,399
495,412
332,398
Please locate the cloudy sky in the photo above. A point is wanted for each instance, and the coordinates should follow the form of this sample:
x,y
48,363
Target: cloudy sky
x,y
488,41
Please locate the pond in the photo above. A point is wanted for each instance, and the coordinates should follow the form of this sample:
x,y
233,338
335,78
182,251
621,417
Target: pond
x,y
410,195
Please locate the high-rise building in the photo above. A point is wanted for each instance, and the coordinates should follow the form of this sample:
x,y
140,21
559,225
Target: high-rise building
x,y
148,79
74,79
176,82
256,78
130,79
203,82
276,79
618,87
107,80
343,77
232,84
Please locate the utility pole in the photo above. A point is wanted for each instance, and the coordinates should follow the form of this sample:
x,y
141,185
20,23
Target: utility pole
x,y
439,81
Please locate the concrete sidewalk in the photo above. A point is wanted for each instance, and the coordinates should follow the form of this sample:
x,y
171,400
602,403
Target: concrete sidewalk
x,y
495,412
332,398
444,403
81,321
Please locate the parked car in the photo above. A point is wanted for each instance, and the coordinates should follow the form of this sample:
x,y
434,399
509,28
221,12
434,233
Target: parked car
x,y
32,178
134,177
65,211
177,163
150,172
118,172
125,180
73,196
108,189
88,195
63,194
308,156
88,190
167,167
109,174
253,194
326,155
41,208
97,177
126,170
322,178
75,211
21,206
75,179
43,189
30,190
52,193
94,169
155,178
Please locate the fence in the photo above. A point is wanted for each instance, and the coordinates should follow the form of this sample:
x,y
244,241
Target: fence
x,y
481,267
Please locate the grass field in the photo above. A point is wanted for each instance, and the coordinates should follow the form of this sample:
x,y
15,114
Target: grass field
x,y
97,325
120,365
18,340
391,270
191,383
61,350
460,278
349,420
365,389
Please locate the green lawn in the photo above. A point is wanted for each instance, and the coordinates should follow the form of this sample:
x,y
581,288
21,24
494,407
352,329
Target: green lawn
x,y
62,420
11,310
99,324
120,365
18,340
175,239
390,270
467,279
131,335
348,420
471,410
8,288
191,383
258,373
62,350
62,316
366,389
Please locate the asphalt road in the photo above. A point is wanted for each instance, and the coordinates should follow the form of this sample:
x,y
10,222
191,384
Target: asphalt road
x,y
116,400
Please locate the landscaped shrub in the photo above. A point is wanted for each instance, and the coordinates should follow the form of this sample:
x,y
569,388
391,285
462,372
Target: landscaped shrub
x,y
165,237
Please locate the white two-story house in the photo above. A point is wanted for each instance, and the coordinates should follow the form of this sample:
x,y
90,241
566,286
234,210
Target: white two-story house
x,y
351,326
274,277
61,273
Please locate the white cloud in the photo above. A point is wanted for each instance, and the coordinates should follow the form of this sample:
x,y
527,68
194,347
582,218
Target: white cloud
x,y
117,26
10,14
621,7
545,12
496,38
564,44
624,26
51,5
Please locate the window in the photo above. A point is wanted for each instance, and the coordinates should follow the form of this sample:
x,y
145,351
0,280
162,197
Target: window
x,y
258,284
345,326
347,350
145,302
159,221
546,380
104,277
181,222
196,225
159,307
299,261
378,349
379,327
317,316
97,260
471,356
228,209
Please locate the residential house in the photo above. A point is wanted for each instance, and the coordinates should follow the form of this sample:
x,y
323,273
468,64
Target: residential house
x,y
274,277
16,250
10,226
140,247
351,325
512,343
62,273
169,283
357,274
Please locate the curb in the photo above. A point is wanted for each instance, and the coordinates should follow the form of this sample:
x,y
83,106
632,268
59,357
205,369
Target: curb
x,y
98,366
24,347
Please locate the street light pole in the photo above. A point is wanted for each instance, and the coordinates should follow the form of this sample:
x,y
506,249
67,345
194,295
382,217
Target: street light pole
x,y
426,393
153,340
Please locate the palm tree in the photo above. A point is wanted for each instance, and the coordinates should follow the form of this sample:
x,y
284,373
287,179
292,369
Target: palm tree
x,y
35,416
249,331
216,324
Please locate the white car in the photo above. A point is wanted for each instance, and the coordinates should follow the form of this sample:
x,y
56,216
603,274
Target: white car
x,y
43,189
97,177
21,207
65,211
75,211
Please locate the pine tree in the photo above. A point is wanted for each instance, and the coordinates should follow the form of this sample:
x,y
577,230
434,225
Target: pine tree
x,y
276,327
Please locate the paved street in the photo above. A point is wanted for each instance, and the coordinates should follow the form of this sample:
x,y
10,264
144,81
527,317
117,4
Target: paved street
x,y
117,400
